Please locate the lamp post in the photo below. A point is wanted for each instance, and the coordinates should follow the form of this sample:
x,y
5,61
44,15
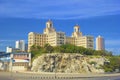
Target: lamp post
x,y
11,63
55,66
11,66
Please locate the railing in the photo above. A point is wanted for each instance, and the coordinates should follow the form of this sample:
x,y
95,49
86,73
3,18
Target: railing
x,y
24,76
43,77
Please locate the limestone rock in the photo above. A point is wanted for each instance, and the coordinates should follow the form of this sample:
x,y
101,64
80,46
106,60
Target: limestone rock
x,y
67,63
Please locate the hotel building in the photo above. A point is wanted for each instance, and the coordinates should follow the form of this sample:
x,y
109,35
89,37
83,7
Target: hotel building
x,y
100,45
58,38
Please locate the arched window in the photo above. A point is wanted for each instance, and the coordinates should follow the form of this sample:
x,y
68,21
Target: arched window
x,y
50,25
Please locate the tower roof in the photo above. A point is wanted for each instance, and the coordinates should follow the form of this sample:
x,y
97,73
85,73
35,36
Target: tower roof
x,y
77,26
49,21
100,36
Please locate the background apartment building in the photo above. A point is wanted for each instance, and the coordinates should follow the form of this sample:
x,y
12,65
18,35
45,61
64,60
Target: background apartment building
x,y
100,44
9,49
58,38
20,44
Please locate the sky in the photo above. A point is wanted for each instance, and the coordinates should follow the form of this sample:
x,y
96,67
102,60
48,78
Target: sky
x,y
95,17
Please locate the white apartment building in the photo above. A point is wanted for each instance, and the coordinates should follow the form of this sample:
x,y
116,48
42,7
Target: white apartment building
x,y
20,44
9,49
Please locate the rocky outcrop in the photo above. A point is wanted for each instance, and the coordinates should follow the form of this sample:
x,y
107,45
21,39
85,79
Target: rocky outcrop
x,y
68,63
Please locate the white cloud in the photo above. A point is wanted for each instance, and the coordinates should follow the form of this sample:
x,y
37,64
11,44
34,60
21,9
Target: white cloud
x,y
116,51
58,9
112,42
113,45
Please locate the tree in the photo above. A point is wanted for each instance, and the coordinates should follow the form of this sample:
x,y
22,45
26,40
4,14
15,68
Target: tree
x,y
102,53
113,64
58,49
36,50
48,48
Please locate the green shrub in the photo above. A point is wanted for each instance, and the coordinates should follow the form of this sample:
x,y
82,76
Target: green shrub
x,y
92,62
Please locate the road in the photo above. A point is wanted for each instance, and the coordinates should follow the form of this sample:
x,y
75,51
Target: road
x,y
5,76
47,76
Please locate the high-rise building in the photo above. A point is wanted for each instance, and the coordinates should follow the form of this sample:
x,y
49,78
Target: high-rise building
x,y
100,44
58,38
20,44
26,47
9,49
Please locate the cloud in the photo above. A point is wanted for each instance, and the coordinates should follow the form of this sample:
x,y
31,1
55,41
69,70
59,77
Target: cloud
x,y
112,42
7,40
58,9
5,43
116,51
113,45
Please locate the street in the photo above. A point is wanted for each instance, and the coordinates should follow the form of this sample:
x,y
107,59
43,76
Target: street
x,y
46,76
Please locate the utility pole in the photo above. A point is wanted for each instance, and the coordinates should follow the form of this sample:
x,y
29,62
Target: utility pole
x,y
11,64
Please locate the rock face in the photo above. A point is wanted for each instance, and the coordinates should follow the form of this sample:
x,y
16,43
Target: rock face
x,y
68,63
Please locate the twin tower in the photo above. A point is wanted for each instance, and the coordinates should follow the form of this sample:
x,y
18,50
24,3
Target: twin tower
x,y
49,28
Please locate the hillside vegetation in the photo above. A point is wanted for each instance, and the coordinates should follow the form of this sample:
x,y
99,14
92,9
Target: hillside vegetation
x,y
110,66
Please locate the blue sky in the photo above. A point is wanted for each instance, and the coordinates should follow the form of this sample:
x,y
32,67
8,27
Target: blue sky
x,y
95,17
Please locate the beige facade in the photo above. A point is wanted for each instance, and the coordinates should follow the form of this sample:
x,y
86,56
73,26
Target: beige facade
x,y
76,32
49,28
58,38
100,43
36,39
85,41
70,40
79,40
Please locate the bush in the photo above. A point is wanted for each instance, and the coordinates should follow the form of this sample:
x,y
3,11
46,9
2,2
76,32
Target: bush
x,y
112,65
66,48
92,62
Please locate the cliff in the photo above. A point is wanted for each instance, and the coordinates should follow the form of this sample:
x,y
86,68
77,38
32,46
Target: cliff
x,y
68,63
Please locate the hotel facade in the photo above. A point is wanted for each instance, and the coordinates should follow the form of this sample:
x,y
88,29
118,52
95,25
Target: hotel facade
x,y
59,38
